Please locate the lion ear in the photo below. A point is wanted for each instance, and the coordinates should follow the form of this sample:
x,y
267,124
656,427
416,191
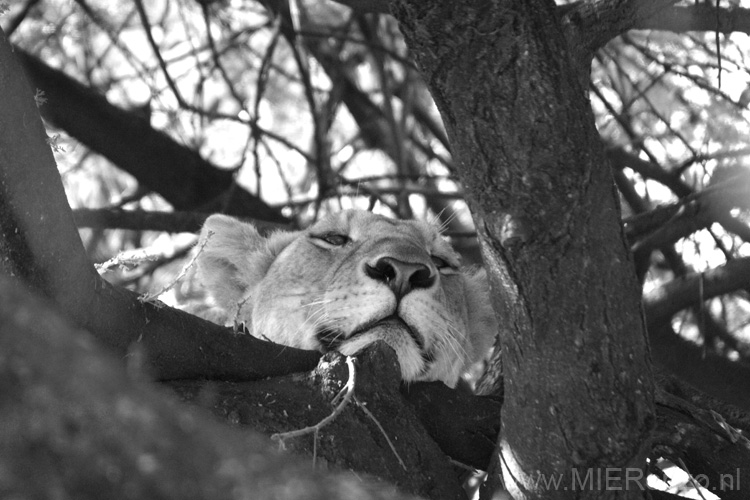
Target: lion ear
x,y
233,258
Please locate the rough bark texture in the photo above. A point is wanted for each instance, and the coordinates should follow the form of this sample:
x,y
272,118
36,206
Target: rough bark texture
x,y
593,24
354,440
578,383
75,426
465,427
713,449
708,372
699,17
667,300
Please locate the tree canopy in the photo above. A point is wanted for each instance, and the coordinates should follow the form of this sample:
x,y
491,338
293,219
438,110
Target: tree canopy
x,y
591,155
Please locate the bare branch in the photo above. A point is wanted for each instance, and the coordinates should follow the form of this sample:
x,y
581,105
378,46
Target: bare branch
x,y
667,224
596,23
650,170
159,163
710,446
365,6
157,52
702,16
662,303
599,22
168,222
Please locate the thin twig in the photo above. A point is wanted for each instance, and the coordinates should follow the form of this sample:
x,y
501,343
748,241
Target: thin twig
x,y
155,47
463,466
237,321
692,480
313,429
369,414
126,260
148,297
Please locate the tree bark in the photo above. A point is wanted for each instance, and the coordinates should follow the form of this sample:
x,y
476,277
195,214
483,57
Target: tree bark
x,y
712,374
712,450
376,433
75,426
578,381
665,301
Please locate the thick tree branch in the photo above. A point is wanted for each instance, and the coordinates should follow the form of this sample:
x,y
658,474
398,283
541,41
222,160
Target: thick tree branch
x,y
39,244
596,23
600,21
464,426
663,302
168,222
74,423
621,158
353,440
139,220
709,446
713,374
667,224
179,174
365,6
701,16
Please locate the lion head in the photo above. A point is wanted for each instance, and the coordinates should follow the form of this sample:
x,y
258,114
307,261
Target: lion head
x,y
351,279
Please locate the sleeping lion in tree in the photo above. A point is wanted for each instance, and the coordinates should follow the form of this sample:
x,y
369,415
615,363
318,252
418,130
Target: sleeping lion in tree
x,y
350,279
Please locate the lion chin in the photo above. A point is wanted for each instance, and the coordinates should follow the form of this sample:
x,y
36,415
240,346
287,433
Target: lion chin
x,y
350,279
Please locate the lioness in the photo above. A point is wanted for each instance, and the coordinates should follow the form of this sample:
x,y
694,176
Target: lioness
x,y
348,280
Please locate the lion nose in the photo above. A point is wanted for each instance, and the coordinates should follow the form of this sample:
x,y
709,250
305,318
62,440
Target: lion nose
x,y
401,277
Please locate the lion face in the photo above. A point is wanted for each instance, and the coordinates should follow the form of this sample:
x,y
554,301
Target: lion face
x,y
347,281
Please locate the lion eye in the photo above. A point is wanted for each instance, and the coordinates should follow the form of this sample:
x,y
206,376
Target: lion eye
x,y
337,240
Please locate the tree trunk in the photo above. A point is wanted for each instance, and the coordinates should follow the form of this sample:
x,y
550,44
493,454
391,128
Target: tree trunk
x,y
578,381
